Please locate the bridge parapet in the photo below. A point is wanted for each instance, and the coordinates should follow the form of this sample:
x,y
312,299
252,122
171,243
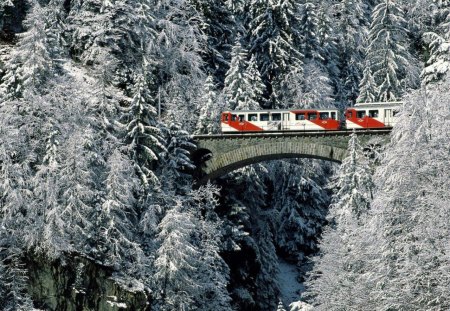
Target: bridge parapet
x,y
217,155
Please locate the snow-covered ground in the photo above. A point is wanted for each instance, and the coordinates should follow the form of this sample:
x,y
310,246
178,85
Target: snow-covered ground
x,y
288,280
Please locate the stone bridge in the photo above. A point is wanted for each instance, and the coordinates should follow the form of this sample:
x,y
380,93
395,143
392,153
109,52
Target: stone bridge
x,y
217,155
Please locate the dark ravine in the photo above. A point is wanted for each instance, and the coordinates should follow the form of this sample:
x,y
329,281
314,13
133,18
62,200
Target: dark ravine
x,y
80,284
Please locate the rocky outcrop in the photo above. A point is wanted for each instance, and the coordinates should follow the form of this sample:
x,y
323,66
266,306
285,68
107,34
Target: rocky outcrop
x,y
80,284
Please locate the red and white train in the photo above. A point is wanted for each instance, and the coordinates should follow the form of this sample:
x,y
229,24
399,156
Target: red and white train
x,y
361,116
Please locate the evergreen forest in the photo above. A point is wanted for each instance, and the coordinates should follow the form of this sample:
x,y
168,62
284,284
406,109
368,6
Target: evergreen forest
x,y
99,206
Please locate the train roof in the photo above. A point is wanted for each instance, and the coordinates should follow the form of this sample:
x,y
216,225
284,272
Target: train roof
x,y
281,110
379,104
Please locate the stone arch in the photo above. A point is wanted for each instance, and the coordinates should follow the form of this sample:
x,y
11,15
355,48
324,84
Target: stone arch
x,y
224,163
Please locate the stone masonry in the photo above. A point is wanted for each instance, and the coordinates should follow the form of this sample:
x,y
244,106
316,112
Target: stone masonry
x,y
217,155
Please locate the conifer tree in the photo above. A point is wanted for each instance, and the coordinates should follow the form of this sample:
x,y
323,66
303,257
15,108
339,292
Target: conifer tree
x,y
308,27
338,265
256,87
299,201
243,84
410,234
352,23
368,89
142,133
30,64
114,221
439,42
234,89
219,33
274,40
14,281
176,158
212,271
209,109
387,54
176,261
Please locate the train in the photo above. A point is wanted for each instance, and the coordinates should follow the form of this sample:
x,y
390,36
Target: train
x,y
361,116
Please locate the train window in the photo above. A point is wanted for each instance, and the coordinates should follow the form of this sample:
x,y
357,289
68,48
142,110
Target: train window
x,y
276,116
350,114
241,117
324,116
300,116
226,118
252,117
264,117
373,113
333,115
360,114
312,116
234,117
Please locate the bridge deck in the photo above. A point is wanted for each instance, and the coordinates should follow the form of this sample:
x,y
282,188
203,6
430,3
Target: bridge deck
x,y
294,133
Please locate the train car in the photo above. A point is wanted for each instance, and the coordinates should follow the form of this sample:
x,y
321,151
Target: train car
x,y
280,120
372,115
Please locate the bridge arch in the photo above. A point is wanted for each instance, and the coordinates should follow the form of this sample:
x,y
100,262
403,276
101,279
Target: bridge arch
x,y
227,162
217,155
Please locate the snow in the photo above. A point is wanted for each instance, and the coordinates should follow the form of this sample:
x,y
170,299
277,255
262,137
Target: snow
x,y
5,51
117,304
287,278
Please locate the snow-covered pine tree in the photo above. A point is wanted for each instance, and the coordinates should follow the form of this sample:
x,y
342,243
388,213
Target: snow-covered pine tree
x,y
176,160
274,40
118,25
235,87
219,34
143,136
16,154
339,263
354,183
114,220
300,202
175,66
177,260
14,279
352,18
409,223
209,114
212,271
368,90
308,27
313,87
71,222
267,288
257,88
243,85
30,64
46,197
388,54
438,64
328,42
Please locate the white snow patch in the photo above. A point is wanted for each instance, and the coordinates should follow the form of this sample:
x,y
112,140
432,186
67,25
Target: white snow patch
x,y
117,304
288,281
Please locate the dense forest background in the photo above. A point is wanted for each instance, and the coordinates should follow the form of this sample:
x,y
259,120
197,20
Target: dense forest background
x,y
92,178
